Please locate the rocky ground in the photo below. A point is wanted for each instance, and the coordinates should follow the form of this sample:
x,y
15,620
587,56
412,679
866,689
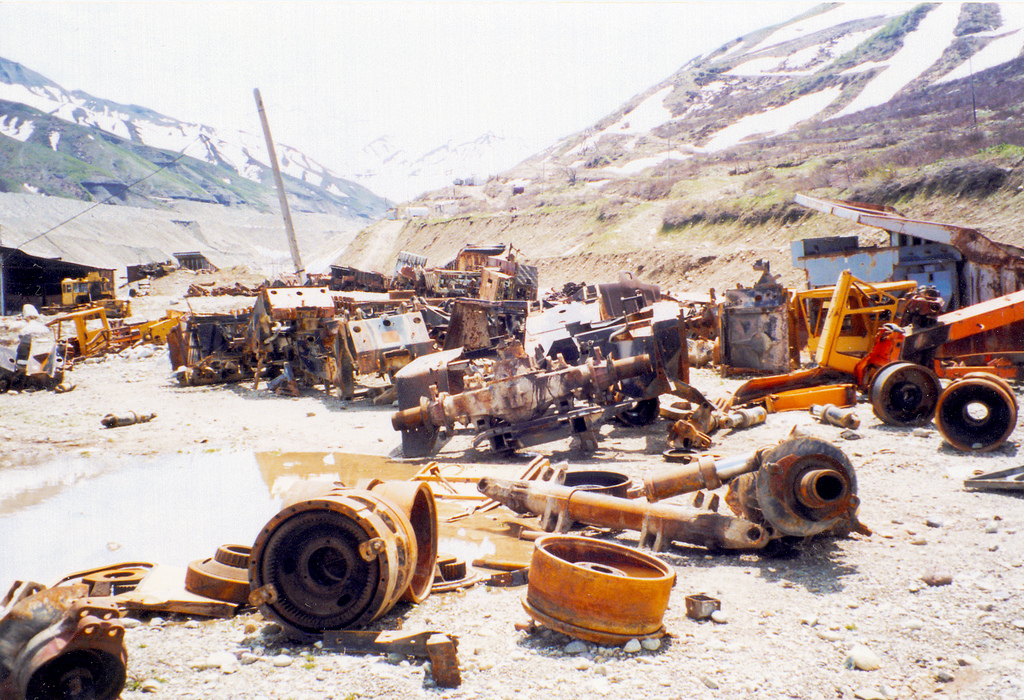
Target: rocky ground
x,y
844,618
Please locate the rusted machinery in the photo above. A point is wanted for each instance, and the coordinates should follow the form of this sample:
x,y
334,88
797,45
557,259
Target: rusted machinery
x,y
799,488
56,643
900,369
36,362
977,412
511,402
344,557
210,349
598,591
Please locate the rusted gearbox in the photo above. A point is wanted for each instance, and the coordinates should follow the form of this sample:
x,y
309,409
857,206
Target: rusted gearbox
x,y
56,643
517,401
799,488
344,557
598,591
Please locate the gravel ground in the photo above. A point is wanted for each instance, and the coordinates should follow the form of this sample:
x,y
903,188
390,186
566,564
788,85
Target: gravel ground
x,y
793,625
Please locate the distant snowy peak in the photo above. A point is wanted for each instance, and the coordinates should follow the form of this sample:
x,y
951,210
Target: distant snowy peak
x,y
385,166
238,151
835,60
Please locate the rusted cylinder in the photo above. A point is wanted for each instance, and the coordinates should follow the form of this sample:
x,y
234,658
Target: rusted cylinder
x,y
417,502
342,559
977,412
834,415
598,591
744,418
703,473
820,488
658,523
131,418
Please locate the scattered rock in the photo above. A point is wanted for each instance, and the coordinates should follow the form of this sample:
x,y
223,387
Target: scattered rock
x,y
150,686
968,661
281,661
862,658
719,617
938,577
709,683
632,646
1019,624
913,624
918,540
922,432
582,664
935,521
868,694
577,646
944,676
652,644
992,528
829,635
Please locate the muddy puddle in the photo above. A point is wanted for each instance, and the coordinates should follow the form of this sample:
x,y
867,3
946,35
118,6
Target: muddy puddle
x,y
77,513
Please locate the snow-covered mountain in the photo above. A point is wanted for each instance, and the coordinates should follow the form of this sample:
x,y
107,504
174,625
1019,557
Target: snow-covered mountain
x,y
400,174
73,134
833,64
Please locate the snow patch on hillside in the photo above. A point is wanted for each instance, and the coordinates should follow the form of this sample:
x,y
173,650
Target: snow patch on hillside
x,y
774,121
640,164
921,49
998,51
846,12
16,128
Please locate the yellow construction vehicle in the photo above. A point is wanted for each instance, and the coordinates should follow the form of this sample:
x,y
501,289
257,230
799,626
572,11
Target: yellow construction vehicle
x,y
92,291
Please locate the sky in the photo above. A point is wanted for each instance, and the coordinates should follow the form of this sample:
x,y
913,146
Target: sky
x,y
336,75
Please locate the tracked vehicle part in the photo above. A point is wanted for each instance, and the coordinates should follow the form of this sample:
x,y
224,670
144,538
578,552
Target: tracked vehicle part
x,y
976,413
658,523
905,394
598,591
804,487
57,644
344,558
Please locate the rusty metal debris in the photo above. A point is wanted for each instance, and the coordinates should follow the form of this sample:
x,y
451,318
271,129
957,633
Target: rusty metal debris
x,y
57,643
754,326
835,415
658,523
799,488
977,412
345,557
440,648
1002,480
119,420
701,607
36,362
966,267
225,576
511,402
598,591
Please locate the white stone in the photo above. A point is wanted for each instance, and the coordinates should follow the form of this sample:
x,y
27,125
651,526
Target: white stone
x,y
863,658
632,646
281,661
651,644
576,646
868,694
719,617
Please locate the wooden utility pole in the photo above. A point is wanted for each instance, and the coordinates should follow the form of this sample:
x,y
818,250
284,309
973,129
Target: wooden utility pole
x,y
300,271
3,299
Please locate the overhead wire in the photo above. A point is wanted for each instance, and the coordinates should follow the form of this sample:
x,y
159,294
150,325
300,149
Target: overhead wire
x,y
184,151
